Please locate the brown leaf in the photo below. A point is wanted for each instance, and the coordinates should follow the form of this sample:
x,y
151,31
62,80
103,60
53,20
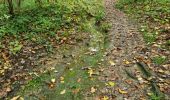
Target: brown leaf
x,y
4,56
8,89
76,91
79,80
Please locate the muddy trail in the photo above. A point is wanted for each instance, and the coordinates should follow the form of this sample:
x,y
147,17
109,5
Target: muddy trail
x,y
126,65
125,40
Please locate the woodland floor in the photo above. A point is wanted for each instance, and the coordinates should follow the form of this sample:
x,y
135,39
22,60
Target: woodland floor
x,y
120,65
126,52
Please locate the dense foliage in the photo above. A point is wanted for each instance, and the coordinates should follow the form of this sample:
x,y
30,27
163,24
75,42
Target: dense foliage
x,y
36,27
39,23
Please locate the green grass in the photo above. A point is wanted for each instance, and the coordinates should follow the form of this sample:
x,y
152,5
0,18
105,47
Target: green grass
x,y
47,26
70,76
151,13
38,24
149,37
39,87
159,60
155,97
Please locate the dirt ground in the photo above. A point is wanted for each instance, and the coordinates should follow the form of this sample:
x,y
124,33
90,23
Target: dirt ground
x,y
125,52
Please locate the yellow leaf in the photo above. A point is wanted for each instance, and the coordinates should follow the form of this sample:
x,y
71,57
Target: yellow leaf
x,y
61,78
149,94
112,63
21,98
93,90
122,91
111,84
53,80
15,98
105,98
160,71
90,71
126,62
63,92
61,81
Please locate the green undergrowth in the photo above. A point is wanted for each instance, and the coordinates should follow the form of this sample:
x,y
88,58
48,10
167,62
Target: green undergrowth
x,y
49,23
159,60
153,14
75,79
48,26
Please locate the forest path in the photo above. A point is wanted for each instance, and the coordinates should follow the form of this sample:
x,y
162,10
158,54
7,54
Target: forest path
x,y
125,42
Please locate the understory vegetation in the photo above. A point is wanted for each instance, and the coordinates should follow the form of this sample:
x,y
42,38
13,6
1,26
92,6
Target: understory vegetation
x,y
154,19
33,30
154,16
44,24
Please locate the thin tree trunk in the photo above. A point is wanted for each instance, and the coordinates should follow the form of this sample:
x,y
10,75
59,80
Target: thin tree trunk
x,y
10,7
19,4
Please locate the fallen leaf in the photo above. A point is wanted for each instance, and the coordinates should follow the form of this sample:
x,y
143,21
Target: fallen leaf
x,y
93,90
149,94
4,56
21,98
51,85
111,84
76,91
160,71
101,69
61,79
8,89
64,38
63,92
105,98
90,71
53,80
93,50
122,91
112,63
16,97
79,80
128,81
126,62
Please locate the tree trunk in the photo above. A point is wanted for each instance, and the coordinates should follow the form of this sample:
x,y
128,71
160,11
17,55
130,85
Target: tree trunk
x,y
10,7
19,4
